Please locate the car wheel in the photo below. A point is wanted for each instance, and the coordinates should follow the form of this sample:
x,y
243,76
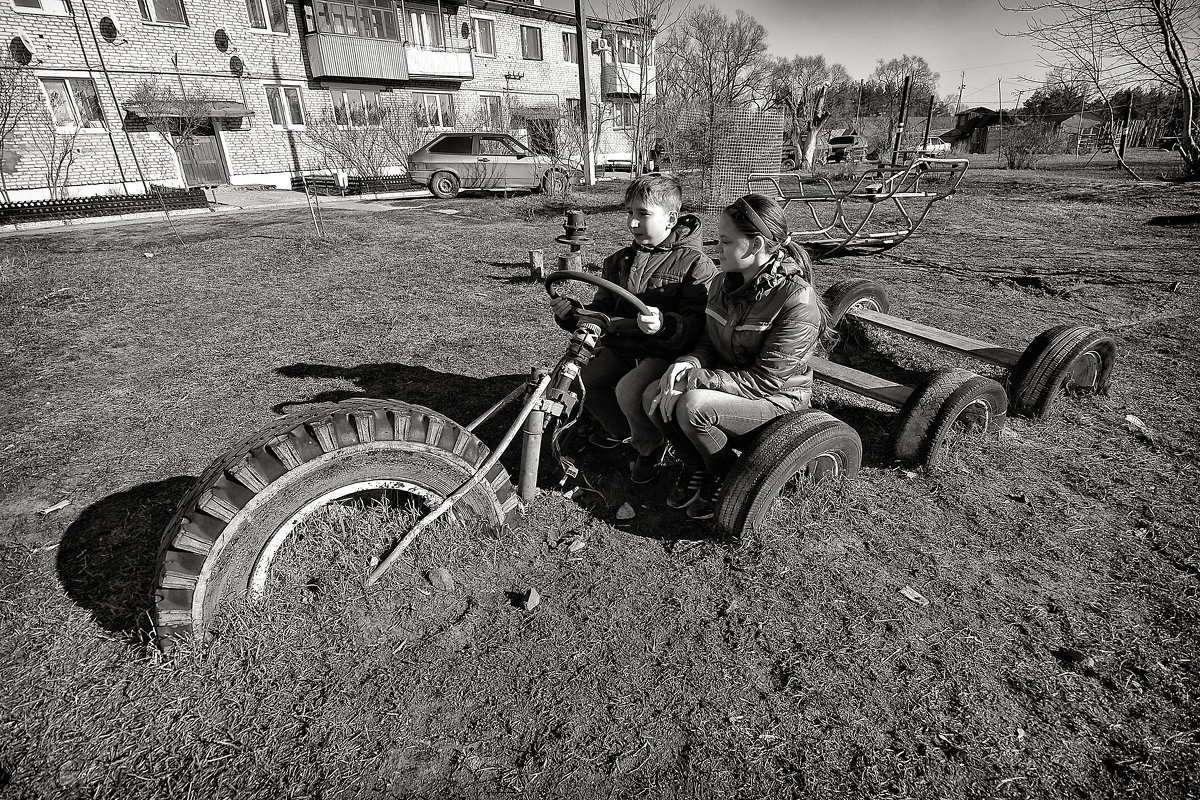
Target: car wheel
x,y
444,185
788,164
555,182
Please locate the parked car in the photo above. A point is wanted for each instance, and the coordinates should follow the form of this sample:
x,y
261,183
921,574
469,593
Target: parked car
x,y
933,146
846,148
489,161
1168,143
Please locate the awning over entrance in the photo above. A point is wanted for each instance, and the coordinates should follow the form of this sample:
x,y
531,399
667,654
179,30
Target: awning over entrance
x,y
212,108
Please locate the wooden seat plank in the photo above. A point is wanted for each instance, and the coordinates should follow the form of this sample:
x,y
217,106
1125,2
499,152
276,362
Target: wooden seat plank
x,y
986,351
864,383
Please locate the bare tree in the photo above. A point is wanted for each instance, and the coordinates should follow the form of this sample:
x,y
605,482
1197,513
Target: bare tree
x,y
803,86
888,81
56,146
712,60
20,100
1116,43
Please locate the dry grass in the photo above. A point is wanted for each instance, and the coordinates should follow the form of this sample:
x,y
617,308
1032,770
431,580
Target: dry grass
x,y
1055,658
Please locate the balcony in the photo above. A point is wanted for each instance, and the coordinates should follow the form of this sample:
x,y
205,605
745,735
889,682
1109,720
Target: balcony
x,y
624,80
333,55
448,63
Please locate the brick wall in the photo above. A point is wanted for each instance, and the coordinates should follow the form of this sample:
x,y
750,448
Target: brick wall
x,y
127,153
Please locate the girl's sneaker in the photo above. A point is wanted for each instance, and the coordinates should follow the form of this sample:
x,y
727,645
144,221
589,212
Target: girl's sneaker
x,y
686,488
705,503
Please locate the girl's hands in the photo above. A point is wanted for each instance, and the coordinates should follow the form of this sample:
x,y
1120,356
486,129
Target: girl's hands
x,y
675,381
650,323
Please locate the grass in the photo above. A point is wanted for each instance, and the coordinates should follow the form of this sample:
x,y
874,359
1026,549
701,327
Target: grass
x,y
1054,660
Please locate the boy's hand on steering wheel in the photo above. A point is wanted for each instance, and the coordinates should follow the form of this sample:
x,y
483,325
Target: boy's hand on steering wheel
x,y
650,323
562,307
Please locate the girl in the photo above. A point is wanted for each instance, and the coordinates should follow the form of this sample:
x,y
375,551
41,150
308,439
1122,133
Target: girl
x,y
762,323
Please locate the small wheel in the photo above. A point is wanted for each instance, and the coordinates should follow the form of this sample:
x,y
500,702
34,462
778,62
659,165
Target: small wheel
x,y
445,185
555,182
1066,357
788,164
856,293
811,445
952,400
232,522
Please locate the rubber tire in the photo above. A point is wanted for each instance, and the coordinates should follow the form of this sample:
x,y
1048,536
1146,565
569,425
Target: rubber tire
x,y
934,409
555,181
445,185
1053,362
787,446
788,164
221,526
844,295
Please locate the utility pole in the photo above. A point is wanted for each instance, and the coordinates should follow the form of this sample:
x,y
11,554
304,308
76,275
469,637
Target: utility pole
x,y
589,160
858,106
962,84
1000,122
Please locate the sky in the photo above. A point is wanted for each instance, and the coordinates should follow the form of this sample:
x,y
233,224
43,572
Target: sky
x,y
960,39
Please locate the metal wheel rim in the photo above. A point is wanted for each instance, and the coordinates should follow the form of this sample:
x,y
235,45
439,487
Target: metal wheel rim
x,y
818,468
1084,371
444,185
979,419
262,564
865,304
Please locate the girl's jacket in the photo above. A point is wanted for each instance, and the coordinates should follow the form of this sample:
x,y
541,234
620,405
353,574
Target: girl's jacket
x,y
758,337
674,277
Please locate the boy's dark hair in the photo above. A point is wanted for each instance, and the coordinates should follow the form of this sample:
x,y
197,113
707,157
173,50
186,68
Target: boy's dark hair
x,y
656,189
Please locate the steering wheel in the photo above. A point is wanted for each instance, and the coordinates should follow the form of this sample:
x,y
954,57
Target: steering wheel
x,y
594,280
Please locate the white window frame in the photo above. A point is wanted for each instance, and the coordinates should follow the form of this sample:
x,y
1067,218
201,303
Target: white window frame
x,y
149,17
541,43
633,43
423,98
485,117
264,8
288,123
573,56
342,100
47,8
621,108
67,77
413,26
475,39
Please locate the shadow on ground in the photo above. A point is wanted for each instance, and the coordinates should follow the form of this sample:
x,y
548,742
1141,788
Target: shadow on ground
x,y
107,558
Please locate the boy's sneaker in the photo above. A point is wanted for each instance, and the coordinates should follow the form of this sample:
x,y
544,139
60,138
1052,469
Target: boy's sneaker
x,y
706,499
645,468
601,439
686,488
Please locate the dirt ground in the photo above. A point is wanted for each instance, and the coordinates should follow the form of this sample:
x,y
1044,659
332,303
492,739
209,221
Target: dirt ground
x,y
1055,657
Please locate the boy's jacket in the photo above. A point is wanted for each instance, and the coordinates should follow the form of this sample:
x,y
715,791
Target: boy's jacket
x,y
673,277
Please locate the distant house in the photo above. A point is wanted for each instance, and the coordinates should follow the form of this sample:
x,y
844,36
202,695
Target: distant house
x,y
978,130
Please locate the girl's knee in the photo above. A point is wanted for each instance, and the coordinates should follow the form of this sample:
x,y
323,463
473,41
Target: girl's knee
x,y
695,408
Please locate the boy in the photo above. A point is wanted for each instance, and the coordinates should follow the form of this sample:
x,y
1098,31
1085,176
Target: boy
x,y
667,270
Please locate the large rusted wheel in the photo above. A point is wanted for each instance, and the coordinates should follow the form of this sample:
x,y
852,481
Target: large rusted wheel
x,y
1063,359
807,445
230,525
953,400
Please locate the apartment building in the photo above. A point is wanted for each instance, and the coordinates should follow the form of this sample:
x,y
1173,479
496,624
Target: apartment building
x,y
272,71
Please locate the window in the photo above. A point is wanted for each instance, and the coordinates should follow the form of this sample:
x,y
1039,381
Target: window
x,y
574,111
357,108
373,19
483,36
571,47
73,102
434,110
490,111
455,145
627,48
286,109
496,146
268,15
168,11
624,118
531,43
425,27
44,6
